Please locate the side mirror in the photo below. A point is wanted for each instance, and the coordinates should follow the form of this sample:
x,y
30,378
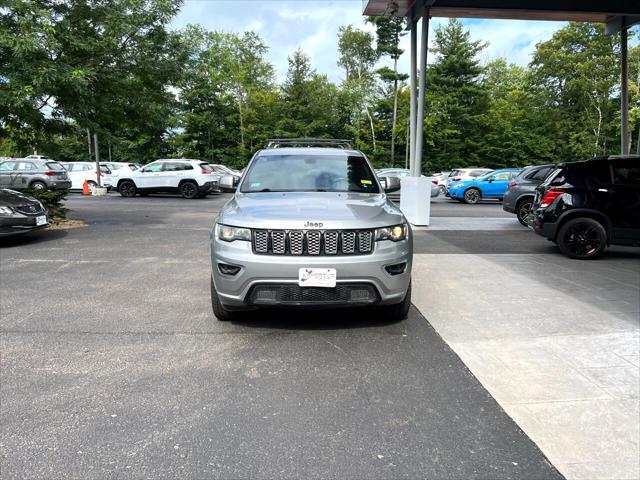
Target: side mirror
x,y
226,182
390,184
490,180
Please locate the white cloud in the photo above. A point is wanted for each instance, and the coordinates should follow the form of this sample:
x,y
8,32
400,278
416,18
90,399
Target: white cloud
x,y
313,25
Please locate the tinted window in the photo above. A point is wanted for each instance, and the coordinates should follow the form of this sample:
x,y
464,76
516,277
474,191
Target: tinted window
x,y
454,173
626,173
540,174
290,173
478,173
55,166
599,172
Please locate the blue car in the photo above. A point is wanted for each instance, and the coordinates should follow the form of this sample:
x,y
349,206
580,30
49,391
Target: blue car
x,y
491,185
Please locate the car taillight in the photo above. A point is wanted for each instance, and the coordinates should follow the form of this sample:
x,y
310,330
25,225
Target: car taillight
x,y
512,183
550,195
456,179
435,182
49,173
206,172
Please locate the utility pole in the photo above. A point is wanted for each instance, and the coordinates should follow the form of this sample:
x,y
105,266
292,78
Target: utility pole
x,y
89,142
95,144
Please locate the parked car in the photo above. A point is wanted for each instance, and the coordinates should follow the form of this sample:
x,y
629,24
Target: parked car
x,y
585,206
490,186
441,181
40,174
310,227
118,168
402,173
81,171
189,178
229,177
462,174
20,213
519,196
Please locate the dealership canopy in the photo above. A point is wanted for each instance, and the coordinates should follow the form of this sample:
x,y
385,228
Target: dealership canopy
x,y
617,15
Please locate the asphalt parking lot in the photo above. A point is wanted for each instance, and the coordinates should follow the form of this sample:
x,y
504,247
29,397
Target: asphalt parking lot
x,y
113,365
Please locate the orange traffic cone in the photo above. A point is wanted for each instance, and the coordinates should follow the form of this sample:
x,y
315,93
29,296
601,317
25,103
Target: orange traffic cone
x,y
85,188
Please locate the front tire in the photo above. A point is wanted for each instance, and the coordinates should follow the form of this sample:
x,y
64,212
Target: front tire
x,y
582,238
524,211
189,190
127,188
472,196
221,313
399,311
443,189
38,186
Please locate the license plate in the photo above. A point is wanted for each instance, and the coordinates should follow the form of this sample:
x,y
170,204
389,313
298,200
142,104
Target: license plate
x,y
317,277
41,220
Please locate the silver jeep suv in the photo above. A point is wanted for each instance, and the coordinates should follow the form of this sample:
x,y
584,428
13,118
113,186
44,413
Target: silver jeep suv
x,y
310,227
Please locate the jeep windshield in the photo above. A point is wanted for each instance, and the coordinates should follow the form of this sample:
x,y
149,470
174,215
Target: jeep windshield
x,y
309,173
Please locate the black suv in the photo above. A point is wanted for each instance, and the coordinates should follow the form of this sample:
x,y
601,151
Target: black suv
x,y
585,206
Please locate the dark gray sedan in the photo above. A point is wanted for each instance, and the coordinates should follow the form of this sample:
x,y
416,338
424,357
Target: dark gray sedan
x,y
20,213
519,196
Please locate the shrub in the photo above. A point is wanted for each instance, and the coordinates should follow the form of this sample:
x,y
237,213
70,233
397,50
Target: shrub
x,y
52,201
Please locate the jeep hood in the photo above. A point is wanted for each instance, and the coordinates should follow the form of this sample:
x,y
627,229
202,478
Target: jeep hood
x,y
292,210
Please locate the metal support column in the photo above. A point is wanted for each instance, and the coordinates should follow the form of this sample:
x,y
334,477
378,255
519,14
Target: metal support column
x,y
424,45
412,86
624,92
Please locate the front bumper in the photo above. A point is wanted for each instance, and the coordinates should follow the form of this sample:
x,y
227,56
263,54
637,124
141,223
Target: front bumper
x,y
456,192
256,270
17,225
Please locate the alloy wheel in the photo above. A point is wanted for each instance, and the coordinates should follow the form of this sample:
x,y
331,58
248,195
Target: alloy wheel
x,y
583,240
525,212
472,195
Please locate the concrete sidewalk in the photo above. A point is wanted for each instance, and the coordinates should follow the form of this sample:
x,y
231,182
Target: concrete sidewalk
x,y
555,341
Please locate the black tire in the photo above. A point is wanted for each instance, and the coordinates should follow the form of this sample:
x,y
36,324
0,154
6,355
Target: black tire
x,y
472,196
189,190
399,311
127,188
37,185
582,238
221,313
443,189
524,210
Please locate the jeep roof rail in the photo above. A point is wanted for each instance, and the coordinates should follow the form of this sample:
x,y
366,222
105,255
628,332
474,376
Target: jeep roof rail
x,y
308,142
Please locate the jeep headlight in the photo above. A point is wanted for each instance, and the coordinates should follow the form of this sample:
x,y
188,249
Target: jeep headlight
x,y
395,233
229,234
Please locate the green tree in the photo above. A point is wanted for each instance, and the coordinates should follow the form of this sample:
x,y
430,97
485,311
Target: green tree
x,y
358,57
577,70
457,100
389,32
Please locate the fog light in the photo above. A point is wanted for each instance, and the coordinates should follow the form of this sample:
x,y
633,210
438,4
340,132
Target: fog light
x,y
227,269
396,269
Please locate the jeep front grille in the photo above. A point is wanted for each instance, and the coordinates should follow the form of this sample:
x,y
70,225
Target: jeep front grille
x,y
312,242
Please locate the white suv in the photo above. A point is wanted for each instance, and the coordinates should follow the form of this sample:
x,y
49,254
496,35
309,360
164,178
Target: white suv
x,y
189,178
79,172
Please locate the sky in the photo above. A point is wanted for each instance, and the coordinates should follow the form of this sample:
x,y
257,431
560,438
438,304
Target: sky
x,y
313,25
